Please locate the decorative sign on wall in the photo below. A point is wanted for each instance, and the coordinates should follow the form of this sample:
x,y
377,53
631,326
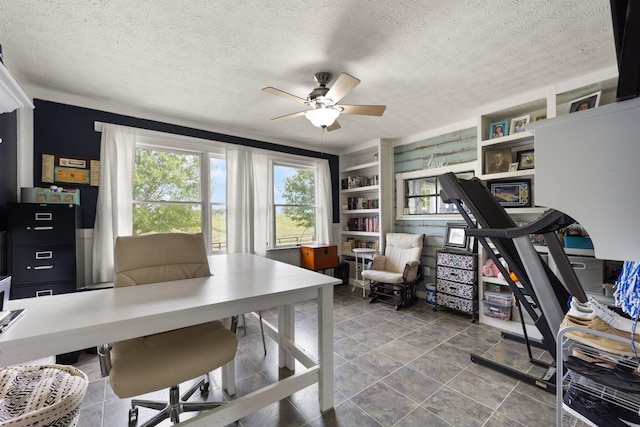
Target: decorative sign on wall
x,y
435,163
70,170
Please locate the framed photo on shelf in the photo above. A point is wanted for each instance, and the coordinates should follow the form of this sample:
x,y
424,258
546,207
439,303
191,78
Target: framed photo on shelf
x,y
526,159
498,129
517,124
513,167
456,236
539,117
585,103
496,161
512,194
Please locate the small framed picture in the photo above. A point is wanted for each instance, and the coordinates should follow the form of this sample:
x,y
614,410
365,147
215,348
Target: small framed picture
x,y
513,167
585,103
539,117
512,194
498,129
517,124
496,161
456,236
526,159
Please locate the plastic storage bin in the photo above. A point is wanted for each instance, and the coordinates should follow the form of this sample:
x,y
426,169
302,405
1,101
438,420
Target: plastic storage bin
x,y
497,305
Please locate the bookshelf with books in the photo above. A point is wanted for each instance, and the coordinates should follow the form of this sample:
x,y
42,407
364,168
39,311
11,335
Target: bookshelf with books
x,y
366,191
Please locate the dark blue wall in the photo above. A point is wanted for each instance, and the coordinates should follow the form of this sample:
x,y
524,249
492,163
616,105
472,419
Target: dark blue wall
x,y
8,165
69,130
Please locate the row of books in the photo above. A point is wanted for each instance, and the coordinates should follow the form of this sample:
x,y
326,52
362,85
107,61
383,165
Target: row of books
x,y
358,181
349,244
355,203
368,224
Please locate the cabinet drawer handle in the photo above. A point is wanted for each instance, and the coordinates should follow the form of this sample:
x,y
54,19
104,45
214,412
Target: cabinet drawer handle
x,y
44,255
44,216
578,265
43,267
40,228
44,293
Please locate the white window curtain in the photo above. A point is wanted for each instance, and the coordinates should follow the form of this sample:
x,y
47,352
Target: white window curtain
x,y
324,212
114,209
262,209
239,203
248,209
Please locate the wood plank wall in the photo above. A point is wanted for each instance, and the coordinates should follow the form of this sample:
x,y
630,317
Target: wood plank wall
x,y
452,148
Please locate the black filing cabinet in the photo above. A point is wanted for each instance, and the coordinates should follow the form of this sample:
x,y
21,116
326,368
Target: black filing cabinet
x,y
42,249
457,281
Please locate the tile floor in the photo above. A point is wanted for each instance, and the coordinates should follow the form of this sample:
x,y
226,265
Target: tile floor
x,y
392,368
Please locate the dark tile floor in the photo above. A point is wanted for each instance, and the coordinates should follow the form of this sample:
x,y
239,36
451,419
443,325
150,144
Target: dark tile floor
x,y
392,368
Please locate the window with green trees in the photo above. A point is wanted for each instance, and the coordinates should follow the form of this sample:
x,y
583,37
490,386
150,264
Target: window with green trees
x,y
168,194
185,190
294,205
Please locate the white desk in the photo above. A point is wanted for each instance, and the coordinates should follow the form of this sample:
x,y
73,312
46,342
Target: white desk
x,y
241,283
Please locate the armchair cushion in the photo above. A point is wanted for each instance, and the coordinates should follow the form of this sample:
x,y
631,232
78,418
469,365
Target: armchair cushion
x,y
399,264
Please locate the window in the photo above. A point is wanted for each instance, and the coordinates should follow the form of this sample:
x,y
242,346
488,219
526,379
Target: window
x,y
218,198
171,189
166,192
294,201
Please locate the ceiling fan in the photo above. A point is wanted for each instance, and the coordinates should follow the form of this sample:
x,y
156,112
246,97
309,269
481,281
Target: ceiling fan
x,y
324,101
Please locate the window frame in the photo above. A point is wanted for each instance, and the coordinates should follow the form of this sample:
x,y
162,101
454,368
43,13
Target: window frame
x,y
291,163
205,149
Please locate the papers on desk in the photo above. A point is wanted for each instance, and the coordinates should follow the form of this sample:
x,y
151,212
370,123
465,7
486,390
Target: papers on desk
x,y
7,318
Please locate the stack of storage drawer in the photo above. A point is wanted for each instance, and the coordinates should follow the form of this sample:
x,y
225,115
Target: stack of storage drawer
x,y
457,281
42,249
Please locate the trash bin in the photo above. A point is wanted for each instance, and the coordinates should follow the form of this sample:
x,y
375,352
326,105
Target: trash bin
x,y
342,272
431,294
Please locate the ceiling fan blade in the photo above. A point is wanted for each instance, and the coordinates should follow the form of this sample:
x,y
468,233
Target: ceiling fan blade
x,y
334,126
364,110
341,87
289,116
278,92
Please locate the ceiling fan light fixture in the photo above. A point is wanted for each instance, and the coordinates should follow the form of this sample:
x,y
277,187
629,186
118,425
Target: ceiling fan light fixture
x,y
322,117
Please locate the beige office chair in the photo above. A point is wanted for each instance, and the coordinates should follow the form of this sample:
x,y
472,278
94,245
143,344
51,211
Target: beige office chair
x,y
164,360
395,275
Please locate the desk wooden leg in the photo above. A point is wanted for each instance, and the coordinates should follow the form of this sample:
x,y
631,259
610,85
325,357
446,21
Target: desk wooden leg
x,y
325,346
286,329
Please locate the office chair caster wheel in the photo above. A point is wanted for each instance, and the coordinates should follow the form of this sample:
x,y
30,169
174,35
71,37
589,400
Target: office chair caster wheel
x,y
133,416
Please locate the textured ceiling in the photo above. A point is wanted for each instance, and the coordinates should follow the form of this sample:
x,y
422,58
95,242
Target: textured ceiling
x,y
432,62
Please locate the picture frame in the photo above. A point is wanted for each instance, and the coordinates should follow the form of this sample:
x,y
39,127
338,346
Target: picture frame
x,y
526,159
586,102
513,167
498,129
512,194
496,161
456,236
517,124
539,117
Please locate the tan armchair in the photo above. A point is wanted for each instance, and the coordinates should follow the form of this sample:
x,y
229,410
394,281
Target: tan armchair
x,y
394,276
164,360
